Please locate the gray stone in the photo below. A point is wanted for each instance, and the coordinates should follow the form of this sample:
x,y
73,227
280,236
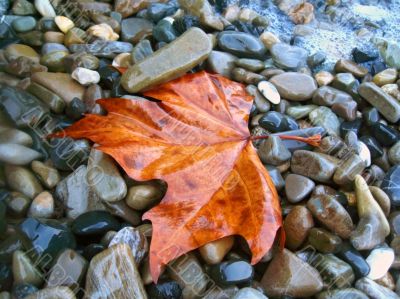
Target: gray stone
x,y
374,290
294,86
22,180
221,63
298,187
17,154
288,57
272,151
324,117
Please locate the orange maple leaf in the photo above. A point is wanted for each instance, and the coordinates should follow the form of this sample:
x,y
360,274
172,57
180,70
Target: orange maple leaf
x,y
197,140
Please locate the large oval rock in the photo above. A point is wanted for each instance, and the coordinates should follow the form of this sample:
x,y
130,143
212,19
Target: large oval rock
x,y
294,86
169,62
288,57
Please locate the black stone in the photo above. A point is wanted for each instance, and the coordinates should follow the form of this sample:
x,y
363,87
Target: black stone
x,y
164,32
108,76
360,56
348,126
377,67
355,260
6,277
231,273
68,154
20,291
75,109
373,146
371,116
316,59
248,28
182,24
164,290
391,185
386,135
277,122
94,223
92,249
45,239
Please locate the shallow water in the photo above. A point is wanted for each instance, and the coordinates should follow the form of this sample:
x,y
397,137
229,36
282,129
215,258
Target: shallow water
x,y
336,36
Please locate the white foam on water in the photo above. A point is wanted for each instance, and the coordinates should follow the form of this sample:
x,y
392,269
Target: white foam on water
x,y
340,37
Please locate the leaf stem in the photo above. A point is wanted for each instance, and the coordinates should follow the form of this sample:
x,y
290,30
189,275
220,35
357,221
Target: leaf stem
x,y
314,140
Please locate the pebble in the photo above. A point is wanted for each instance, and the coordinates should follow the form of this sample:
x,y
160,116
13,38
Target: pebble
x,y
351,256
104,177
324,117
253,65
379,260
164,290
94,223
372,219
17,50
42,206
386,104
277,122
61,84
348,66
349,168
299,112
288,275
231,272
17,154
269,39
316,166
48,239
136,241
142,197
294,86
49,98
23,8
76,195
269,91
298,187
249,293
24,270
297,226
73,267
273,151
137,77
384,77
323,78
329,212
390,185
262,104
24,24
103,31
106,49
324,241
381,198
22,180
15,136
107,272
214,252
85,77
374,290
387,136
241,44
45,8
64,24
333,270
288,57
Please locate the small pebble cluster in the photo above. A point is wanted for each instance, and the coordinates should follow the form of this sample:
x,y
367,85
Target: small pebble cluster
x,y
70,218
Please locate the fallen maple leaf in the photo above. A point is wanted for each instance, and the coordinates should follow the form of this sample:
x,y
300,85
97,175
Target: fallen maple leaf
x,y
197,140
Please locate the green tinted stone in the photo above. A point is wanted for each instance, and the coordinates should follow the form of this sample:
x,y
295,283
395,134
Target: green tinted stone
x,y
54,61
94,223
169,62
50,99
32,38
141,51
24,24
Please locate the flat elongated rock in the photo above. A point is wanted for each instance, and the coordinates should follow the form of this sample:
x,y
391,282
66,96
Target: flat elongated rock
x,y
294,86
17,154
113,274
386,104
61,84
170,62
102,49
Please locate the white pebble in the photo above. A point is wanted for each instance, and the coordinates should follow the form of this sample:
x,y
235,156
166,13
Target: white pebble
x,y
45,8
269,91
42,206
379,260
85,76
364,153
